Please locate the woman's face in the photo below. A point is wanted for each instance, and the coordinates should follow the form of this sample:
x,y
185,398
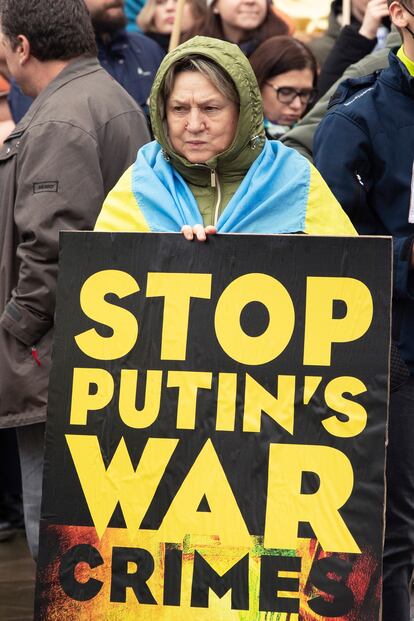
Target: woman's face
x,y
283,112
201,121
238,17
164,16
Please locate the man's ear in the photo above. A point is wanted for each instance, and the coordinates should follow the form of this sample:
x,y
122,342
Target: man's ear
x,y
399,16
23,49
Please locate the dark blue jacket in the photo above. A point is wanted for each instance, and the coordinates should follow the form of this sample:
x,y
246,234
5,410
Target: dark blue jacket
x,y
364,148
131,59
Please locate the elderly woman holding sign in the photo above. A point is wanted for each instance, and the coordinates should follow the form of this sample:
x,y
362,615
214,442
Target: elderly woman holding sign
x,y
211,167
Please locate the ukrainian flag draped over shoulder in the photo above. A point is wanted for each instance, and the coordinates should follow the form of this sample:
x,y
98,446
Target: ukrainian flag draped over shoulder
x,y
281,193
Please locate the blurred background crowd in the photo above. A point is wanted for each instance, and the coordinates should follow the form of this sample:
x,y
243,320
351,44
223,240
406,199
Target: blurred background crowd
x,y
293,45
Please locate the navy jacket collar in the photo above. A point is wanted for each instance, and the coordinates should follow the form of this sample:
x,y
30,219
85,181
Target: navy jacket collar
x,y
397,75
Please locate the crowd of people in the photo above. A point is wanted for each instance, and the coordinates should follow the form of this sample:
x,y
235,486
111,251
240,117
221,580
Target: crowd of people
x,y
172,143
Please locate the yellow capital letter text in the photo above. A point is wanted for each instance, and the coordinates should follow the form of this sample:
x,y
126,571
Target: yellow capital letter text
x,y
321,329
287,506
105,487
122,322
235,342
82,400
177,289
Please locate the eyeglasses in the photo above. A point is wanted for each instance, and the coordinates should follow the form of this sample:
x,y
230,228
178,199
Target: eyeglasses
x,y
287,94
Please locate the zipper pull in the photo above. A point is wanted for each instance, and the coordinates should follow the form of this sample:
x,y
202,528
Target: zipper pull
x,y
36,356
213,178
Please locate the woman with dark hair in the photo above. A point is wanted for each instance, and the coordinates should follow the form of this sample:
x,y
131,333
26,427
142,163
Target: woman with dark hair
x,y
287,72
244,22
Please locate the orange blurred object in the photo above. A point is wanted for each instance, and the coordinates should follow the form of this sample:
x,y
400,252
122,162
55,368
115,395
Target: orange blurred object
x,y
4,85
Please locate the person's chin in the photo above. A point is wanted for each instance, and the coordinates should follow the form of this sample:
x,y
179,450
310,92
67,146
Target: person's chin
x,y
109,22
167,27
250,24
197,154
289,121
197,158
166,30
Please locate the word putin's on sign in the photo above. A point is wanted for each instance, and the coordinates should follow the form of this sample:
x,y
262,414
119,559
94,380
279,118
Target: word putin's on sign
x,y
216,435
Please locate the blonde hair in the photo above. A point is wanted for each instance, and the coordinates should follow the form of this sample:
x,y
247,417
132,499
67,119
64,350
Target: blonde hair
x,y
145,18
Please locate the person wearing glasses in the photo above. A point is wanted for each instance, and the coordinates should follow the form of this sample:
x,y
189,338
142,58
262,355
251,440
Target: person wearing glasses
x,y
364,148
286,72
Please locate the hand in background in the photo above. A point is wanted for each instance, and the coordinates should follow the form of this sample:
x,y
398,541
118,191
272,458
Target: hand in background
x,y
376,10
358,8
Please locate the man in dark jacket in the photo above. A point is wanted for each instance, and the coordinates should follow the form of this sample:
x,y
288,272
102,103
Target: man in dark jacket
x,y
301,136
81,133
132,59
364,148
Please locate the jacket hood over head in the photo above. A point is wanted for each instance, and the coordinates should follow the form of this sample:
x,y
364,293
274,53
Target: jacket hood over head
x,y
250,136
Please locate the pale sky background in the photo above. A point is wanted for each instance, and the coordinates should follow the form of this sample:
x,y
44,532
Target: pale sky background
x,y
305,8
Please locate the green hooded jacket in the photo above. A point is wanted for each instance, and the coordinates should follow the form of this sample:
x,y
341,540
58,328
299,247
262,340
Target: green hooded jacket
x,y
217,180
282,194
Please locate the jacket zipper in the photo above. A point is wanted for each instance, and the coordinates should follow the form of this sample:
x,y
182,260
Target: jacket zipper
x,y
212,177
215,183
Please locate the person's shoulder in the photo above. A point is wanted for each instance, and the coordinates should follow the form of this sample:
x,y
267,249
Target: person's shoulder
x,y
143,44
353,90
287,158
354,97
364,94
76,106
353,107
82,90
375,61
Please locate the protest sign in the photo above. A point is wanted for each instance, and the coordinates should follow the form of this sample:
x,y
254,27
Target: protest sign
x,y
216,434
